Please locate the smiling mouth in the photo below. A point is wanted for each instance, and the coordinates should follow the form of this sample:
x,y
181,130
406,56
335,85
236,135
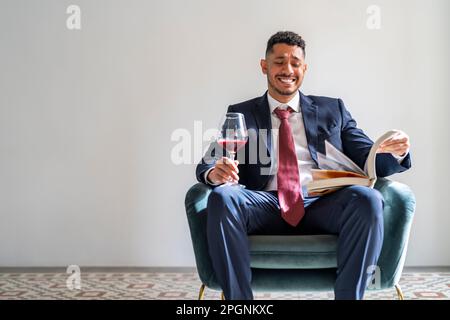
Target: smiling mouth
x,y
287,80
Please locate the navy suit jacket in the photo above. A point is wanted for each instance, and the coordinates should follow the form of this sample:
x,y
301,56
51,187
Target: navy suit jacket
x,y
324,119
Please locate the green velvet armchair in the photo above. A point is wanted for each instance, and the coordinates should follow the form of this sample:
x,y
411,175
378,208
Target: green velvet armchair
x,y
306,262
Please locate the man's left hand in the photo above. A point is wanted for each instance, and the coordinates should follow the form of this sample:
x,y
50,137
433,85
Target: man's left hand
x,y
397,145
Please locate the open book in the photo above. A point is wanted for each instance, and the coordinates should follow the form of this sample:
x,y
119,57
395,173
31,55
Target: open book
x,y
337,170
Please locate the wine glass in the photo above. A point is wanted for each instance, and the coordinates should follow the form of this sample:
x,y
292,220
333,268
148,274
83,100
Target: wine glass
x,y
233,135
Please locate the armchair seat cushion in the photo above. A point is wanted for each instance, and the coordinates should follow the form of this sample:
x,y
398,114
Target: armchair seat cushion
x,y
293,251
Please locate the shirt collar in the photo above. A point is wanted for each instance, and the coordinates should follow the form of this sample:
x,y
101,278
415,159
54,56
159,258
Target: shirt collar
x,y
294,103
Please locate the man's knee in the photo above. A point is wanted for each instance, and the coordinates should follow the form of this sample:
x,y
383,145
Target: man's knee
x,y
221,198
369,202
220,195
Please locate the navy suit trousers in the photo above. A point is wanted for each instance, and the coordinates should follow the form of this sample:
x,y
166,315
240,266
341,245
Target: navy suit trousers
x,y
353,213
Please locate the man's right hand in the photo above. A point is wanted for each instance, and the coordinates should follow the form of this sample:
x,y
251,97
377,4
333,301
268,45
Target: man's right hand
x,y
225,170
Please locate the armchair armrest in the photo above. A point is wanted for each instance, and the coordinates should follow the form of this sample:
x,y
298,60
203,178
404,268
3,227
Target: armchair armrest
x,y
399,206
195,203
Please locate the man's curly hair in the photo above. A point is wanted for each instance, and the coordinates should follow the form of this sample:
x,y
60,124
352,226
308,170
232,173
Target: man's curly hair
x,y
287,37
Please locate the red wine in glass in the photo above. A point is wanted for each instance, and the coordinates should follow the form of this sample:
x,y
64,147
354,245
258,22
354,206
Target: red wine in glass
x,y
232,146
233,134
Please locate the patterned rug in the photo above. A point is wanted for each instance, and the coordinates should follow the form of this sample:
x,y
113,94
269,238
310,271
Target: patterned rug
x,y
183,285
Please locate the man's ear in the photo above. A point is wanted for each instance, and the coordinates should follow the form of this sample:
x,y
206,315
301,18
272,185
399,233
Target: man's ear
x,y
263,64
305,68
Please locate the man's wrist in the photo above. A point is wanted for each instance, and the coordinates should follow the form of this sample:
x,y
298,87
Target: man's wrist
x,y
207,180
400,158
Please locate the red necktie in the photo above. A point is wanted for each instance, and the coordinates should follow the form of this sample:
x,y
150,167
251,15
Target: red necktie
x,y
288,180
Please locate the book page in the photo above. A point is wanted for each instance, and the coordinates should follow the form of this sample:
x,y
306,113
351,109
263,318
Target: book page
x,y
336,160
371,168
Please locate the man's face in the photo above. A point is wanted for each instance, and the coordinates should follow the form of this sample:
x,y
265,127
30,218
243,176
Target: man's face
x,y
285,68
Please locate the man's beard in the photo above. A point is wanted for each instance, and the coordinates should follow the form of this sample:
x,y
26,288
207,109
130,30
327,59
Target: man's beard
x,y
283,93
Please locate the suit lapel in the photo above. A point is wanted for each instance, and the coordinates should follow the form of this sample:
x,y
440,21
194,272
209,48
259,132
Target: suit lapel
x,y
309,112
261,112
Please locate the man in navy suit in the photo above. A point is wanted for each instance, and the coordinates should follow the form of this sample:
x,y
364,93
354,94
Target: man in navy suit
x,y
354,213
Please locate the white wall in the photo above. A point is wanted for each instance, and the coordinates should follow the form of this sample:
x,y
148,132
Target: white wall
x,y
86,116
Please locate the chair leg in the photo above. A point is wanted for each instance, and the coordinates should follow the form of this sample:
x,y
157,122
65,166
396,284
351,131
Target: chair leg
x,y
201,292
399,292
